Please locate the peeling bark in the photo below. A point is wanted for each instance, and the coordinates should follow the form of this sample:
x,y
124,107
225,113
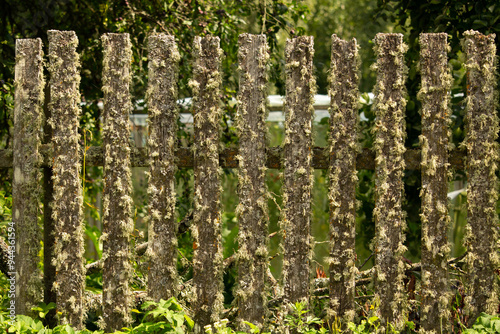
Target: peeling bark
x,y
26,189
252,209
344,93
482,186
67,210
298,177
207,228
163,113
435,97
389,167
117,201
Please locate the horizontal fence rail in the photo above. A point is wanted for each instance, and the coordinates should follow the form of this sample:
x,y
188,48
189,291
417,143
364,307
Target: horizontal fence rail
x,y
184,158
298,159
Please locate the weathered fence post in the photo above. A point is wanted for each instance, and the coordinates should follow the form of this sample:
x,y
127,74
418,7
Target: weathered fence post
x,y
298,177
68,197
26,188
435,97
482,159
252,209
206,228
344,93
163,113
117,201
389,148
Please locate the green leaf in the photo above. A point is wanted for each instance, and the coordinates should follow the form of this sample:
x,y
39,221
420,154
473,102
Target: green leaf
x,y
189,321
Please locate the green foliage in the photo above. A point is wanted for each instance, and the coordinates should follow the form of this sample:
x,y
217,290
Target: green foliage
x,y
166,316
368,325
372,323
42,309
302,321
485,323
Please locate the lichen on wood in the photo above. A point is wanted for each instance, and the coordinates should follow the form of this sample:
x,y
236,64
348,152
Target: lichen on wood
x,y
435,97
482,186
252,209
26,190
163,112
298,176
67,210
117,201
389,148
207,226
344,93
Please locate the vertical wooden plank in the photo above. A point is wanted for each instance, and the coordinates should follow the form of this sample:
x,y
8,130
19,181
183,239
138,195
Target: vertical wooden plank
x,y
435,97
252,209
117,201
482,185
26,189
206,228
49,243
344,93
389,167
67,210
298,177
163,113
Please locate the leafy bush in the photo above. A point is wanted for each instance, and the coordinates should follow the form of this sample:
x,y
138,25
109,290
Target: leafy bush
x,y
485,323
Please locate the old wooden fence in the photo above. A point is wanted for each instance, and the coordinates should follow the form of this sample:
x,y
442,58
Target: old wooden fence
x,y
63,158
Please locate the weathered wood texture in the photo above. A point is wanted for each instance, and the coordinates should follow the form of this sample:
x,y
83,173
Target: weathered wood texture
x,y
297,175
252,209
49,266
163,113
344,93
482,188
117,201
26,189
389,167
435,97
206,229
67,207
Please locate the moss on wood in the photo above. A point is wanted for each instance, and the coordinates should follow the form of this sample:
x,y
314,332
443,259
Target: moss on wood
x,y
252,209
297,176
344,93
67,210
26,189
389,148
163,113
117,200
435,97
481,239
207,228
